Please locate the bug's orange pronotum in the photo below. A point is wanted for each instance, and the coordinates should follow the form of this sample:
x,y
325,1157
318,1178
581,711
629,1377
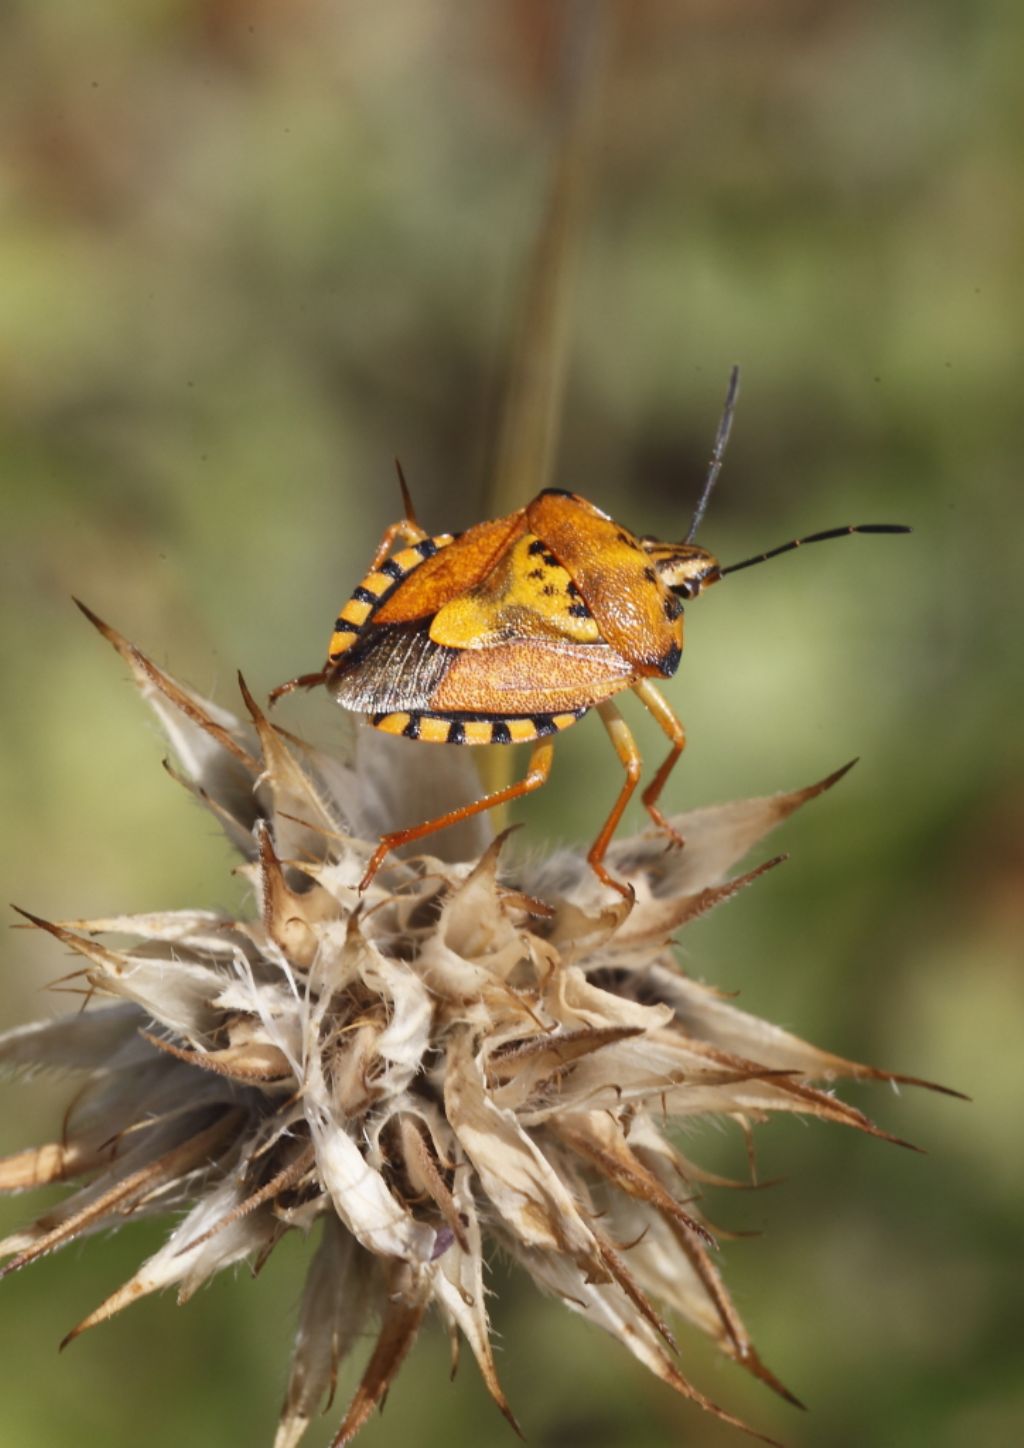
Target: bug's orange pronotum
x,y
513,630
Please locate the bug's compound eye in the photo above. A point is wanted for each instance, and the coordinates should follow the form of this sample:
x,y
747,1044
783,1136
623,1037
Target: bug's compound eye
x,y
694,585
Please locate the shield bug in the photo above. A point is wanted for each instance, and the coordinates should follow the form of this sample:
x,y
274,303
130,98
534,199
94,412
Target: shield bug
x,y
512,631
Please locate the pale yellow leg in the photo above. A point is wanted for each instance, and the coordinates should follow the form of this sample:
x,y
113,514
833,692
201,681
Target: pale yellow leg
x,y
625,748
655,703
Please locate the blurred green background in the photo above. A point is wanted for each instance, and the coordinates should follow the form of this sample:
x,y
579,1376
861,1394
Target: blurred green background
x,y
251,250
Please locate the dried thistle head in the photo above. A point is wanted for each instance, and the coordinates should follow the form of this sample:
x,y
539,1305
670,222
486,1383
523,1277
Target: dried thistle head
x,y
471,1055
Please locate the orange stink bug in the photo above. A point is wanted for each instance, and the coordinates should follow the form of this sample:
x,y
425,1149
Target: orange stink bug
x,y
510,632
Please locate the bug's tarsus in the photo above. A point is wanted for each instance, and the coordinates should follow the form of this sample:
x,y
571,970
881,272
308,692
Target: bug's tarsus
x,y
717,454
410,511
815,538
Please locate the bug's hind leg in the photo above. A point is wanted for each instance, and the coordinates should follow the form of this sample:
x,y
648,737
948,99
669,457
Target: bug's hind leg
x,y
625,748
536,775
408,529
410,532
655,703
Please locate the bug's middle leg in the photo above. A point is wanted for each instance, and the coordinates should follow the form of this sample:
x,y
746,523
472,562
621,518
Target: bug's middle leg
x,y
655,703
629,755
536,775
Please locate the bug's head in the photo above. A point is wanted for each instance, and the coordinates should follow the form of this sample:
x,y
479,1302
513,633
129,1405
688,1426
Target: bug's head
x,y
685,568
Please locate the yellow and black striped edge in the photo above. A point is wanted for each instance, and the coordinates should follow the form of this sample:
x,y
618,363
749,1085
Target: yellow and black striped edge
x,y
472,728
368,596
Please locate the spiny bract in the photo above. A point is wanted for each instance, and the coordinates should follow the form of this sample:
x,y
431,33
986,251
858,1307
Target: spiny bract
x,y
470,1056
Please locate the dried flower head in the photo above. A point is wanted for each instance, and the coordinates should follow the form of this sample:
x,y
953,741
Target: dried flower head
x,y
469,1055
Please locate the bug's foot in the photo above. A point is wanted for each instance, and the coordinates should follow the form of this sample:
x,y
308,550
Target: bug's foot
x,y
621,886
385,847
675,839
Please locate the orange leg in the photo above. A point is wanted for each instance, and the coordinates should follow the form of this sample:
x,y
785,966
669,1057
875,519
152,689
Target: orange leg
x,y
304,681
536,775
625,748
407,530
653,701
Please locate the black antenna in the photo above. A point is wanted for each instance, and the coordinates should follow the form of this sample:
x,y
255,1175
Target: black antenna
x,y
717,454
815,538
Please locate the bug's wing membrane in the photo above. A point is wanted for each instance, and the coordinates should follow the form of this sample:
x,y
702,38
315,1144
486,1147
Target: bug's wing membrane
x,y
394,668
530,676
451,572
613,575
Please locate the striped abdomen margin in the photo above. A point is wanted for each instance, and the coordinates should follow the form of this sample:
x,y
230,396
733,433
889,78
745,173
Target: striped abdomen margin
x,y
368,596
473,728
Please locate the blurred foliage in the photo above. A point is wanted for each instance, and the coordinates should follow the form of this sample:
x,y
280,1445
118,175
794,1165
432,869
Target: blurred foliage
x,y
251,250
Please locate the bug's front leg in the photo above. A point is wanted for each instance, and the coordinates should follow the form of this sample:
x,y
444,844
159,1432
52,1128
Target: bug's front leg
x,y
625,748
536,775
655,703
